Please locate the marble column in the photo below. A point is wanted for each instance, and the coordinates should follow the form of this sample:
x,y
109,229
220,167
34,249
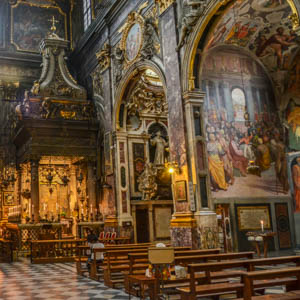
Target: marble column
x,y
35,197
182,223
206,233
91,186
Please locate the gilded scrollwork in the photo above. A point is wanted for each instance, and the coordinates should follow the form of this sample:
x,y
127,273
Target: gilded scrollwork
x,y
103,57
164,4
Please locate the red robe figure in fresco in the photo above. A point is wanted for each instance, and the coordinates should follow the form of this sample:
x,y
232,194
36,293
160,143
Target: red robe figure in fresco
x,y
296,180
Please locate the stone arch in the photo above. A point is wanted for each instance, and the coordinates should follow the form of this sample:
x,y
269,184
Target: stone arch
x,y
215,10
128,76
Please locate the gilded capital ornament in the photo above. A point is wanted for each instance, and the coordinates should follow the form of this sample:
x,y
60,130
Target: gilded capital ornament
x,y
103,57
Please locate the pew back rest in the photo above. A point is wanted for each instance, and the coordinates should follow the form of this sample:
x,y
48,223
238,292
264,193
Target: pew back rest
x,y
249,277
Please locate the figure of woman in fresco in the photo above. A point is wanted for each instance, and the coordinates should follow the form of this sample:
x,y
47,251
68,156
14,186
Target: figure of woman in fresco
x,y
296,181
216,166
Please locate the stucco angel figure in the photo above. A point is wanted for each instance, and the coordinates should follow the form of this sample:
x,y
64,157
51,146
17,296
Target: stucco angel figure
x,y
192,10
160,143
147,182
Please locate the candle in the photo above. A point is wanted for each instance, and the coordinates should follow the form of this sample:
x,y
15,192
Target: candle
x,y
32,208
262,225
91,208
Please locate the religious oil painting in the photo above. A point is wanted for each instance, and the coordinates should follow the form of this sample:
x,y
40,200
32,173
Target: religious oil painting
x,y
133,41
8,198
245,139
30,24
294,178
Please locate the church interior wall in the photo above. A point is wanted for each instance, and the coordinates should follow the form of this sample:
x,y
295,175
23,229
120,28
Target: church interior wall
x,y
250,110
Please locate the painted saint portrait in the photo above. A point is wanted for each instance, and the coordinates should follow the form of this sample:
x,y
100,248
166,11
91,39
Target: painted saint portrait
x,y
31,24
245,138
133,41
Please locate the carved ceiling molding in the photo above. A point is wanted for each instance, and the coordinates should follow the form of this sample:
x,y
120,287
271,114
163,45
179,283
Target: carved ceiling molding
x,y
103,57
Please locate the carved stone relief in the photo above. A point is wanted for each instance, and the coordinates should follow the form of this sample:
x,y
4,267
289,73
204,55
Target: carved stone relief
x,y
192,10
97,81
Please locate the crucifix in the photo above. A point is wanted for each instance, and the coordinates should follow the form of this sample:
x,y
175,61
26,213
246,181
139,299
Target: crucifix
x,y
53,27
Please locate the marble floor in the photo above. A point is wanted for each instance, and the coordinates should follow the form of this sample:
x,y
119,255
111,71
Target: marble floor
x,y
25,281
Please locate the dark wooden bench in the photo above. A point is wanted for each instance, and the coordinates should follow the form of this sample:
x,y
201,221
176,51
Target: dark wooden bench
x,y
138,266
83,254
114,274
209,288
279,277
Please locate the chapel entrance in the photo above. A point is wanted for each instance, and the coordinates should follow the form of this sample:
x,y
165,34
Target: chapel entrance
x,y
143,156
142,226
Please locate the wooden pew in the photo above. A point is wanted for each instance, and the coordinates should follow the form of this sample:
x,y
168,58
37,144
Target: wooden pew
x,y
82,256
137,263
210,288
250,280
115,270
113,258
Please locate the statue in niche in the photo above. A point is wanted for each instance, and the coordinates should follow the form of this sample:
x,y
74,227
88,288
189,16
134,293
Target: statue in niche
x,y
147,182
192,10
160,144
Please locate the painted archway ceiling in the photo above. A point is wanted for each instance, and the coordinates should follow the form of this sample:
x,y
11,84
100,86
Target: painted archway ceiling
x,y
261,27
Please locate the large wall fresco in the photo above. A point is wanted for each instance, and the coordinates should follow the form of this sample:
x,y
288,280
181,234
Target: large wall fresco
x,y
290,105
245,139
32,23
263,27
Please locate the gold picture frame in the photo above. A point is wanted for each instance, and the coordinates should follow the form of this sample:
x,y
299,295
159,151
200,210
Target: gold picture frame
x,y
133,38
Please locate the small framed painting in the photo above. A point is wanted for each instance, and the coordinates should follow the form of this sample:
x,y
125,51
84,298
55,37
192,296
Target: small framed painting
x,y
8,199
180,190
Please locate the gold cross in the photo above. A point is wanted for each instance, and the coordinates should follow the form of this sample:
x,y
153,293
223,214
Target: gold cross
x,y
53,27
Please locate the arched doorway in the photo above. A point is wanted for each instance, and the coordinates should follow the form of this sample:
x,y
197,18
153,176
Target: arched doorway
x,y
143,185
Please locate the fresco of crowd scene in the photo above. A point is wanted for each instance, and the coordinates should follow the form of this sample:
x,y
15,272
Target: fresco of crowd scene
x,y
235,151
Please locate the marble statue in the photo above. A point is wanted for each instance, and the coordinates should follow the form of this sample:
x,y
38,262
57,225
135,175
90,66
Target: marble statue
x,y
159,142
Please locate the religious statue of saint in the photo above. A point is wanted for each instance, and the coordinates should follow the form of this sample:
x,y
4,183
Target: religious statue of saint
x,y
159,142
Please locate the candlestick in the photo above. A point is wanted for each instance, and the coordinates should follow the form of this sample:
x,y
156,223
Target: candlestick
x,y
262,225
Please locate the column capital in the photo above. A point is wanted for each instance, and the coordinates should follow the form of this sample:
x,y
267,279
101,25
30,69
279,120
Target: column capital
x,y
196,96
